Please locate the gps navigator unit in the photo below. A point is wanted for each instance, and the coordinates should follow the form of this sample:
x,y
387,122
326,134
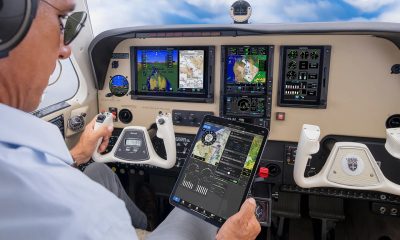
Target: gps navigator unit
x,y
219,170
183,73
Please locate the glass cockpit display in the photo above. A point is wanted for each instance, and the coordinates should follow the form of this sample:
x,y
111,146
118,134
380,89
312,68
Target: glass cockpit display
x,y
172,72
247,85
157,70
191,69
219,169
304,76
246,66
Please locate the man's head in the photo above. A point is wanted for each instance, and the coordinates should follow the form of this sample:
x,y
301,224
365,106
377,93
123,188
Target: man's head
x,y
25,72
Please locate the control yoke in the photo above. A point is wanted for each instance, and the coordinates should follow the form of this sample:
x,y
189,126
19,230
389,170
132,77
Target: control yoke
x,y
350,165
134,145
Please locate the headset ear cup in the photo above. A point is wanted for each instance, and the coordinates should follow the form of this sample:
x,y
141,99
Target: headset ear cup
x,y
16,17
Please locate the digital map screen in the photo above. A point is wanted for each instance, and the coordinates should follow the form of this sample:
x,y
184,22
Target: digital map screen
x,y
246,65
191,69
232,152
217,173
170,70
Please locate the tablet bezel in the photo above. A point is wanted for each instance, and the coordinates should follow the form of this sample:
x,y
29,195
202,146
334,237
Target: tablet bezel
x,y
227,123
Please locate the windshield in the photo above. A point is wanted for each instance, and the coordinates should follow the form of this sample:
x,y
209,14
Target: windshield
x,y
107,15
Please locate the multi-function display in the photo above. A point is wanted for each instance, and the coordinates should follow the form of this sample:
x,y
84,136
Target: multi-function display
x,y
247,83
219,169
169,72
246,69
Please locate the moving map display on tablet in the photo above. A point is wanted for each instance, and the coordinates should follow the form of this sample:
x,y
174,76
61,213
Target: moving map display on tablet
x,y
219,170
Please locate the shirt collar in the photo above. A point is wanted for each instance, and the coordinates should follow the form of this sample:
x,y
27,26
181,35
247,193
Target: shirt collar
x,y
21,128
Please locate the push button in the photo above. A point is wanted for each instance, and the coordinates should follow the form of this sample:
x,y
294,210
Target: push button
x,y
263,172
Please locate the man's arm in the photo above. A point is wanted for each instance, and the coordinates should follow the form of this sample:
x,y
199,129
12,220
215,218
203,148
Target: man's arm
x,y
243,225
84,149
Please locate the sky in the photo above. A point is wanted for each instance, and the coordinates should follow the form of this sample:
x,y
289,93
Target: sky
x,y
109,14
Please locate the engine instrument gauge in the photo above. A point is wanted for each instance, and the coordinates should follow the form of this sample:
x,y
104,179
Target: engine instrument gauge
x,y
314,55
293,54
292,65
291,75
304,55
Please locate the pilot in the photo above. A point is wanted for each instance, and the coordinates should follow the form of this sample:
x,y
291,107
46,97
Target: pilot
x,y
41,195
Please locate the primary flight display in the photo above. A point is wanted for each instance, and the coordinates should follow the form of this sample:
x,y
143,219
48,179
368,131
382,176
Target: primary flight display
x,y
172,71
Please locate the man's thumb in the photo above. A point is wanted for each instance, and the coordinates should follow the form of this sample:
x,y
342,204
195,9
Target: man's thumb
x,y
248,208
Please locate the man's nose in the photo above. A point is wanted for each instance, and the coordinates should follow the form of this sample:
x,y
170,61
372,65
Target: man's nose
x,y
64,52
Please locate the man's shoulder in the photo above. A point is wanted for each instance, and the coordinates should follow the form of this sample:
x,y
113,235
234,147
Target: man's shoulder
x,y
38,186
41,173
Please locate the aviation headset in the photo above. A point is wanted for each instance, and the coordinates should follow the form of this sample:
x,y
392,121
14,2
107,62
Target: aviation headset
x,y
16,17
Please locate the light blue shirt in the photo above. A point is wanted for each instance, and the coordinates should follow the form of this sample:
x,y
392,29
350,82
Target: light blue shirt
x,y
41,196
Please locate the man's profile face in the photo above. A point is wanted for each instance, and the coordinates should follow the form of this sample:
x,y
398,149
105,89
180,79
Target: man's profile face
x,y
31,63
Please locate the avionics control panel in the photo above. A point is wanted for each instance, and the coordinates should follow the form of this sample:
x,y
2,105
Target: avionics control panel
x,y
304,76
246,83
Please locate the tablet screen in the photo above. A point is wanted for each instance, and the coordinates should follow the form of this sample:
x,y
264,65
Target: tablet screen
x,y
219,169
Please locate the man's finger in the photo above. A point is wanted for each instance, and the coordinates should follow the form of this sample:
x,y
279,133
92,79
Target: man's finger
x,y
104,131
248,208
103,146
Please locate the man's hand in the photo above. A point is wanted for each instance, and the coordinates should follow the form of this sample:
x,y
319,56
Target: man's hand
x,y
84,149
243,225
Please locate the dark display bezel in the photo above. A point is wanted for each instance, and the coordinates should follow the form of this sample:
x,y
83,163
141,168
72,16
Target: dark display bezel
x,y
232,124
208,81
266,94
323,77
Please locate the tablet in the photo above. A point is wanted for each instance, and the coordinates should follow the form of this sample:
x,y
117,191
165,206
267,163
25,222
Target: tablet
x,y
219,170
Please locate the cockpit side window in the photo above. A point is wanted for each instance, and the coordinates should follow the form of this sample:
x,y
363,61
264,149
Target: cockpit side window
x,y
63,84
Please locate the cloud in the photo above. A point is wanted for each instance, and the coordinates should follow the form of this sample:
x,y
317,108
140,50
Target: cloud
x,y
106,14
369,5
391,15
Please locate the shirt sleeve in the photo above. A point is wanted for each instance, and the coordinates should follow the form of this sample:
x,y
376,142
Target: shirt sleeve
x,y
120,232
